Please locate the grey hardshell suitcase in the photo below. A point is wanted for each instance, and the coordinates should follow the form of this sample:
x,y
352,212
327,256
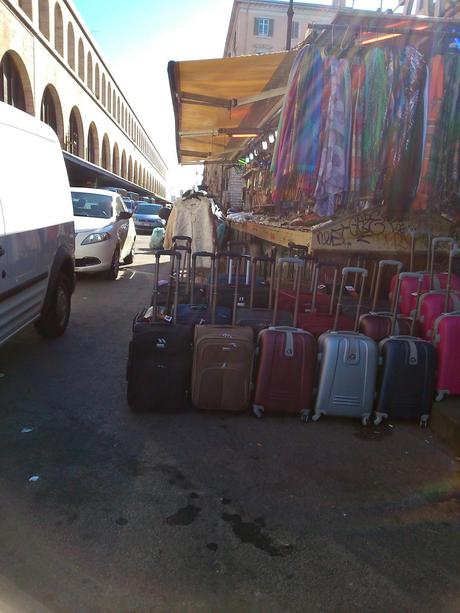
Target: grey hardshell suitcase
x,y
347,367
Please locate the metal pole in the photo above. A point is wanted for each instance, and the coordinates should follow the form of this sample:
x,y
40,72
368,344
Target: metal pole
x,y
290,14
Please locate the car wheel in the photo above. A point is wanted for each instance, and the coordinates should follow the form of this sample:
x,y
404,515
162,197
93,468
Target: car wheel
x,y
129,259
53,322
114,269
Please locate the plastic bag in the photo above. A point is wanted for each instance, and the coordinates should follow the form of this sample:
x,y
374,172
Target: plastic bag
x,y
156,240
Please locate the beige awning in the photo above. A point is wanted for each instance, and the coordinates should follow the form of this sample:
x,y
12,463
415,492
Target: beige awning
x,y
217,102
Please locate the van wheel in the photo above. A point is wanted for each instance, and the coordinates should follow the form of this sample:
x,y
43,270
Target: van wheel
x,y
114,269
129,259
53,322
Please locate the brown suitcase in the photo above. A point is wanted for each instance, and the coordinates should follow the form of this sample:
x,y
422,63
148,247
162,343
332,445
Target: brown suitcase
x,y
223,361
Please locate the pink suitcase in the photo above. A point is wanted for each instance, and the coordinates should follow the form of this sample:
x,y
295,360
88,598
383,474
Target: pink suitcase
x,y
446,338
433,304
286,365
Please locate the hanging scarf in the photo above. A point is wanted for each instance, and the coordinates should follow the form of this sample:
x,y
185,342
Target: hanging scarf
x,y
435,99
333,169
358,74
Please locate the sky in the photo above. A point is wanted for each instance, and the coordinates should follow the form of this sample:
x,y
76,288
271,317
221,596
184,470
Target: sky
x,y
138,38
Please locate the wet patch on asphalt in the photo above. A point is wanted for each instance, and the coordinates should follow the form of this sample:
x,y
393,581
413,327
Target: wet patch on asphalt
x,y
184,516
251,532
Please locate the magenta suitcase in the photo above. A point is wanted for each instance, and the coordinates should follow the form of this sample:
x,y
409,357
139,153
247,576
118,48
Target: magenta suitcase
x,y
446,338
286,366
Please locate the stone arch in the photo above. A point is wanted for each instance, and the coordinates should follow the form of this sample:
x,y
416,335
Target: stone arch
x,y
70,46
75,137
123,164
116,160
105,154
123,115
109,98
89,70
97,82
51,111
114,105
130,169
104,90
26,6
118,109
44,18
58,30
15,86
93,144
81,60
136,173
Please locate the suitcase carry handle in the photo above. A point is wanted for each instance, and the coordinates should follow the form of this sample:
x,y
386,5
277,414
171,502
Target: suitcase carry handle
x,y
384,264
200,254
298,262
187,265
345,272
176,256
401,277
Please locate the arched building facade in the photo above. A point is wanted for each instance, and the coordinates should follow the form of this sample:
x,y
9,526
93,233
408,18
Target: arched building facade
x,y
50,67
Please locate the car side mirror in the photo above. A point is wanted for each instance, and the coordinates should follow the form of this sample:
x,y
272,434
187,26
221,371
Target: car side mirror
x,y
124,215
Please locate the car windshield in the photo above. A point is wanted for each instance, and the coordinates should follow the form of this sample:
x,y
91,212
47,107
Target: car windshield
x,y
148,209
91,205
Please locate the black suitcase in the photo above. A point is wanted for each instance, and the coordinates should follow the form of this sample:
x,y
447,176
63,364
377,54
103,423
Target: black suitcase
x,y
159,358
165,289
226,283
408,379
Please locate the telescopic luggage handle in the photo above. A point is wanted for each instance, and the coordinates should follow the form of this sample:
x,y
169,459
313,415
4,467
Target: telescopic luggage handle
x,y
454,253
438,240
195,255
177,256
254,260
180,237
279,265
401,277
414,234
231,255
382,265
345,272
318,267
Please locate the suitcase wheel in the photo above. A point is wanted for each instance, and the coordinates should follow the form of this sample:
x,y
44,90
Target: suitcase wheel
x,y
440,396
378,419
424,421
366,420
258,410
316,416
304,416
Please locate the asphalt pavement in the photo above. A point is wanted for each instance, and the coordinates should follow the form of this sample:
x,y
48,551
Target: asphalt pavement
x,y
195,512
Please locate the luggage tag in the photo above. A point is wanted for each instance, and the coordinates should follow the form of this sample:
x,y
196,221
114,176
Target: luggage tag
x,y
351,291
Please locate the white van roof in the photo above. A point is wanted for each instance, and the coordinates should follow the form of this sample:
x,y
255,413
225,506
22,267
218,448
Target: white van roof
x,y
92,190
15,118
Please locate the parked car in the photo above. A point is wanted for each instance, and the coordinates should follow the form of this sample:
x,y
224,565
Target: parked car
x,y
104,231
134,196
119,190
130,204
36,232
146,217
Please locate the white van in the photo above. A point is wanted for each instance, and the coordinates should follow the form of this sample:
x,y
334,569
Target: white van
x,y
37,242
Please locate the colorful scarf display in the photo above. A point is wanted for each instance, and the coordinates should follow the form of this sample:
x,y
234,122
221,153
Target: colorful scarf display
x,y
354,129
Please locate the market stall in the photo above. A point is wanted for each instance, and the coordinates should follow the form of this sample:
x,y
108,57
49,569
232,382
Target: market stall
x,y
363,146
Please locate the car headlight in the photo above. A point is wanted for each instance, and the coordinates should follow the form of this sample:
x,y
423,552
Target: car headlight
x,y
96,237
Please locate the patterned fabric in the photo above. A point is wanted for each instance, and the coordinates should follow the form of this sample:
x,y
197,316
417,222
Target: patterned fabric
x,y
334,165
435,98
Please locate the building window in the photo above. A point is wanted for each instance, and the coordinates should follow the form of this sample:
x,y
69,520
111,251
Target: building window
x,y
263,26
295,29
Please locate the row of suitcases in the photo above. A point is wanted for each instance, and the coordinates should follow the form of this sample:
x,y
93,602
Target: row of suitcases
x,y
170,360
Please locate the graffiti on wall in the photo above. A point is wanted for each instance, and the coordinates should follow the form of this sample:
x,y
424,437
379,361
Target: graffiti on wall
x,y
369,230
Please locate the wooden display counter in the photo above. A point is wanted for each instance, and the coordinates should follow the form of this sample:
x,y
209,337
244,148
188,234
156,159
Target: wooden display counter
x,y
273,234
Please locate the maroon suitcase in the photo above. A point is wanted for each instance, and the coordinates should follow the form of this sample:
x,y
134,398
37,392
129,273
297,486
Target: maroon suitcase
x,y
316,322
287,364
